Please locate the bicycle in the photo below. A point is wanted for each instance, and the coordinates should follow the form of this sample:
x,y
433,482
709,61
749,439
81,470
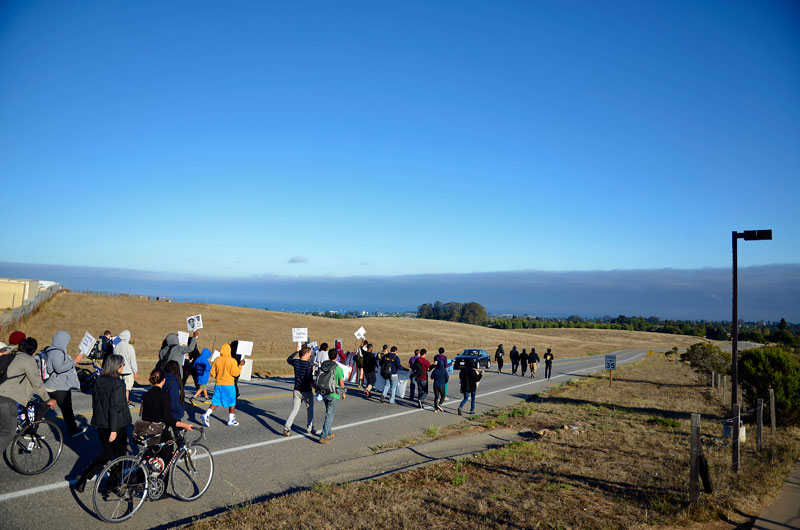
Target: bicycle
x,y
126,482
38,442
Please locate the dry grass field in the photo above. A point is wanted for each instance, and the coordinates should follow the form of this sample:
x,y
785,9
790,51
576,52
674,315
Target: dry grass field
x,y
621,462
149,322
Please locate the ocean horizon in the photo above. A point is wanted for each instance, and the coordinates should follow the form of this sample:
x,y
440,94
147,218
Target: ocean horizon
x,y
768,292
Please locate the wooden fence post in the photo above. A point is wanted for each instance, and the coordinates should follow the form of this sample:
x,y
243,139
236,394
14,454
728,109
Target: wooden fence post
x,y
724,386
713,377
735,438
694,460
759,422
772,410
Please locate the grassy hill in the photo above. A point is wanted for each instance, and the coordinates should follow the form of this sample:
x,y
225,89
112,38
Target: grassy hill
x,y
270,331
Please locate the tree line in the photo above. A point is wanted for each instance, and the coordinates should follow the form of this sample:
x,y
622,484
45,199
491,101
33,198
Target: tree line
x,y
469,313
781,332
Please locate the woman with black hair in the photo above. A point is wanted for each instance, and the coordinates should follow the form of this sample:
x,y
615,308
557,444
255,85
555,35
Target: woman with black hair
x,y
157,408
110,416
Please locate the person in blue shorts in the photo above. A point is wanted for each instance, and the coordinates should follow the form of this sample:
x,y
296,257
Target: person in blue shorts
x,y
224,369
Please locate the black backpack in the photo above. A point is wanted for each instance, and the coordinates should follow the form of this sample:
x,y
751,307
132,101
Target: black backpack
x,y
418,370
5,361
386,365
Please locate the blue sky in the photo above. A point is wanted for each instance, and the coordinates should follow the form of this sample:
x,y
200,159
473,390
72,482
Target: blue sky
x,y
382,138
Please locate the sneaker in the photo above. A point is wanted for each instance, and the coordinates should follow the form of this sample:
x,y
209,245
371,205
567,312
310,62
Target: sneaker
x,y
80,431
366,392
324,440
459,412
310,429
330,436
287,432
205,421
233,423
446,398
206,401
472,413
131,406
419,403
383,398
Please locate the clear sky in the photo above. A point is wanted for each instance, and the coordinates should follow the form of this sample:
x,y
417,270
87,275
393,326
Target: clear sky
x,y
391,138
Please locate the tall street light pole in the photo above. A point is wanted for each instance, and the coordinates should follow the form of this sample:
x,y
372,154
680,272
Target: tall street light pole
x,y
747,235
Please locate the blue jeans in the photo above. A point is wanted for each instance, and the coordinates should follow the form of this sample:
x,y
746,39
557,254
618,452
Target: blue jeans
x,y
413,385
468,395
330,410
391,386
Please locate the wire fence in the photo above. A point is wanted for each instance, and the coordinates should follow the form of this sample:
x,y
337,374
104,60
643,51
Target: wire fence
x,y
15,316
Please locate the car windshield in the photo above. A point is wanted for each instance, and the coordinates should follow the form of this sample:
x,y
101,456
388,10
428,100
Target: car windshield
x,y
471,352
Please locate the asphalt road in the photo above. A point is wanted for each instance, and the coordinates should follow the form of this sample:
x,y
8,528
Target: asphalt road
x,y
254,461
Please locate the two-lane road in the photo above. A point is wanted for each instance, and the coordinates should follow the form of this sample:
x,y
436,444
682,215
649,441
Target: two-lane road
x,y
254,460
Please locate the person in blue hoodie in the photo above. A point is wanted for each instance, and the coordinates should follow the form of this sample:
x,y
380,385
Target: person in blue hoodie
x,y
174,388
202,369
62,378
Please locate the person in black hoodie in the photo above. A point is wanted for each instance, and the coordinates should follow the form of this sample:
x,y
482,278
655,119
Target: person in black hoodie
x,y
238,359
514,356
523,361
534,359
499,357
110,416
469,384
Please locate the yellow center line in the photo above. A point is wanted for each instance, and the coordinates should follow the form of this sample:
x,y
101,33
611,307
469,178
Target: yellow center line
x,y
257,398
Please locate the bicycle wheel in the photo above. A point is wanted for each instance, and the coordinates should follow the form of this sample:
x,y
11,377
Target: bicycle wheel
x,y
120,489
192,472
36,447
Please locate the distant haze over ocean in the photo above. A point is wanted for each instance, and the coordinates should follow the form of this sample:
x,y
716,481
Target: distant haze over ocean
x,y
767,292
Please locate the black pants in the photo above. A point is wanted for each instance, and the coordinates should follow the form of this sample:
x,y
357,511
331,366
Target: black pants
x,y
422,389
548,367
188,370
64,401
500,364
8,421
524,368
438,396
111,450
514,366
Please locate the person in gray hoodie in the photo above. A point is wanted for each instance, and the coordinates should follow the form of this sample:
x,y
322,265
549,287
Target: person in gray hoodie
x,y
62,378
171,350
125,350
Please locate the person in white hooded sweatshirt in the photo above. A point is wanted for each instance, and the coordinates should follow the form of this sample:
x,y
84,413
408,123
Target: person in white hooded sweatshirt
x,y
125,350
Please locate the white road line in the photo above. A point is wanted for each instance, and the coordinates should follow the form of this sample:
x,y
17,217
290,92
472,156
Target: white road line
x,y
63,484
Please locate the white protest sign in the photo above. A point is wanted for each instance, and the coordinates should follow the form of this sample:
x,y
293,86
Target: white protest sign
x,y
299,334
86,343
611,362
213,356
245,348
193,323
313,345
247,370
183,338
360,333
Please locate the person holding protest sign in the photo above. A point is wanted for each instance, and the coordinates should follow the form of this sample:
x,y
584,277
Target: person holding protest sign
x,y
548,363
224,370
171,350
303,391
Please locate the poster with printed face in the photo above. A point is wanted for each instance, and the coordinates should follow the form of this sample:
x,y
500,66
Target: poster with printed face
x,y
193,323
183,338
360,333
299,334
245,348
86,344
